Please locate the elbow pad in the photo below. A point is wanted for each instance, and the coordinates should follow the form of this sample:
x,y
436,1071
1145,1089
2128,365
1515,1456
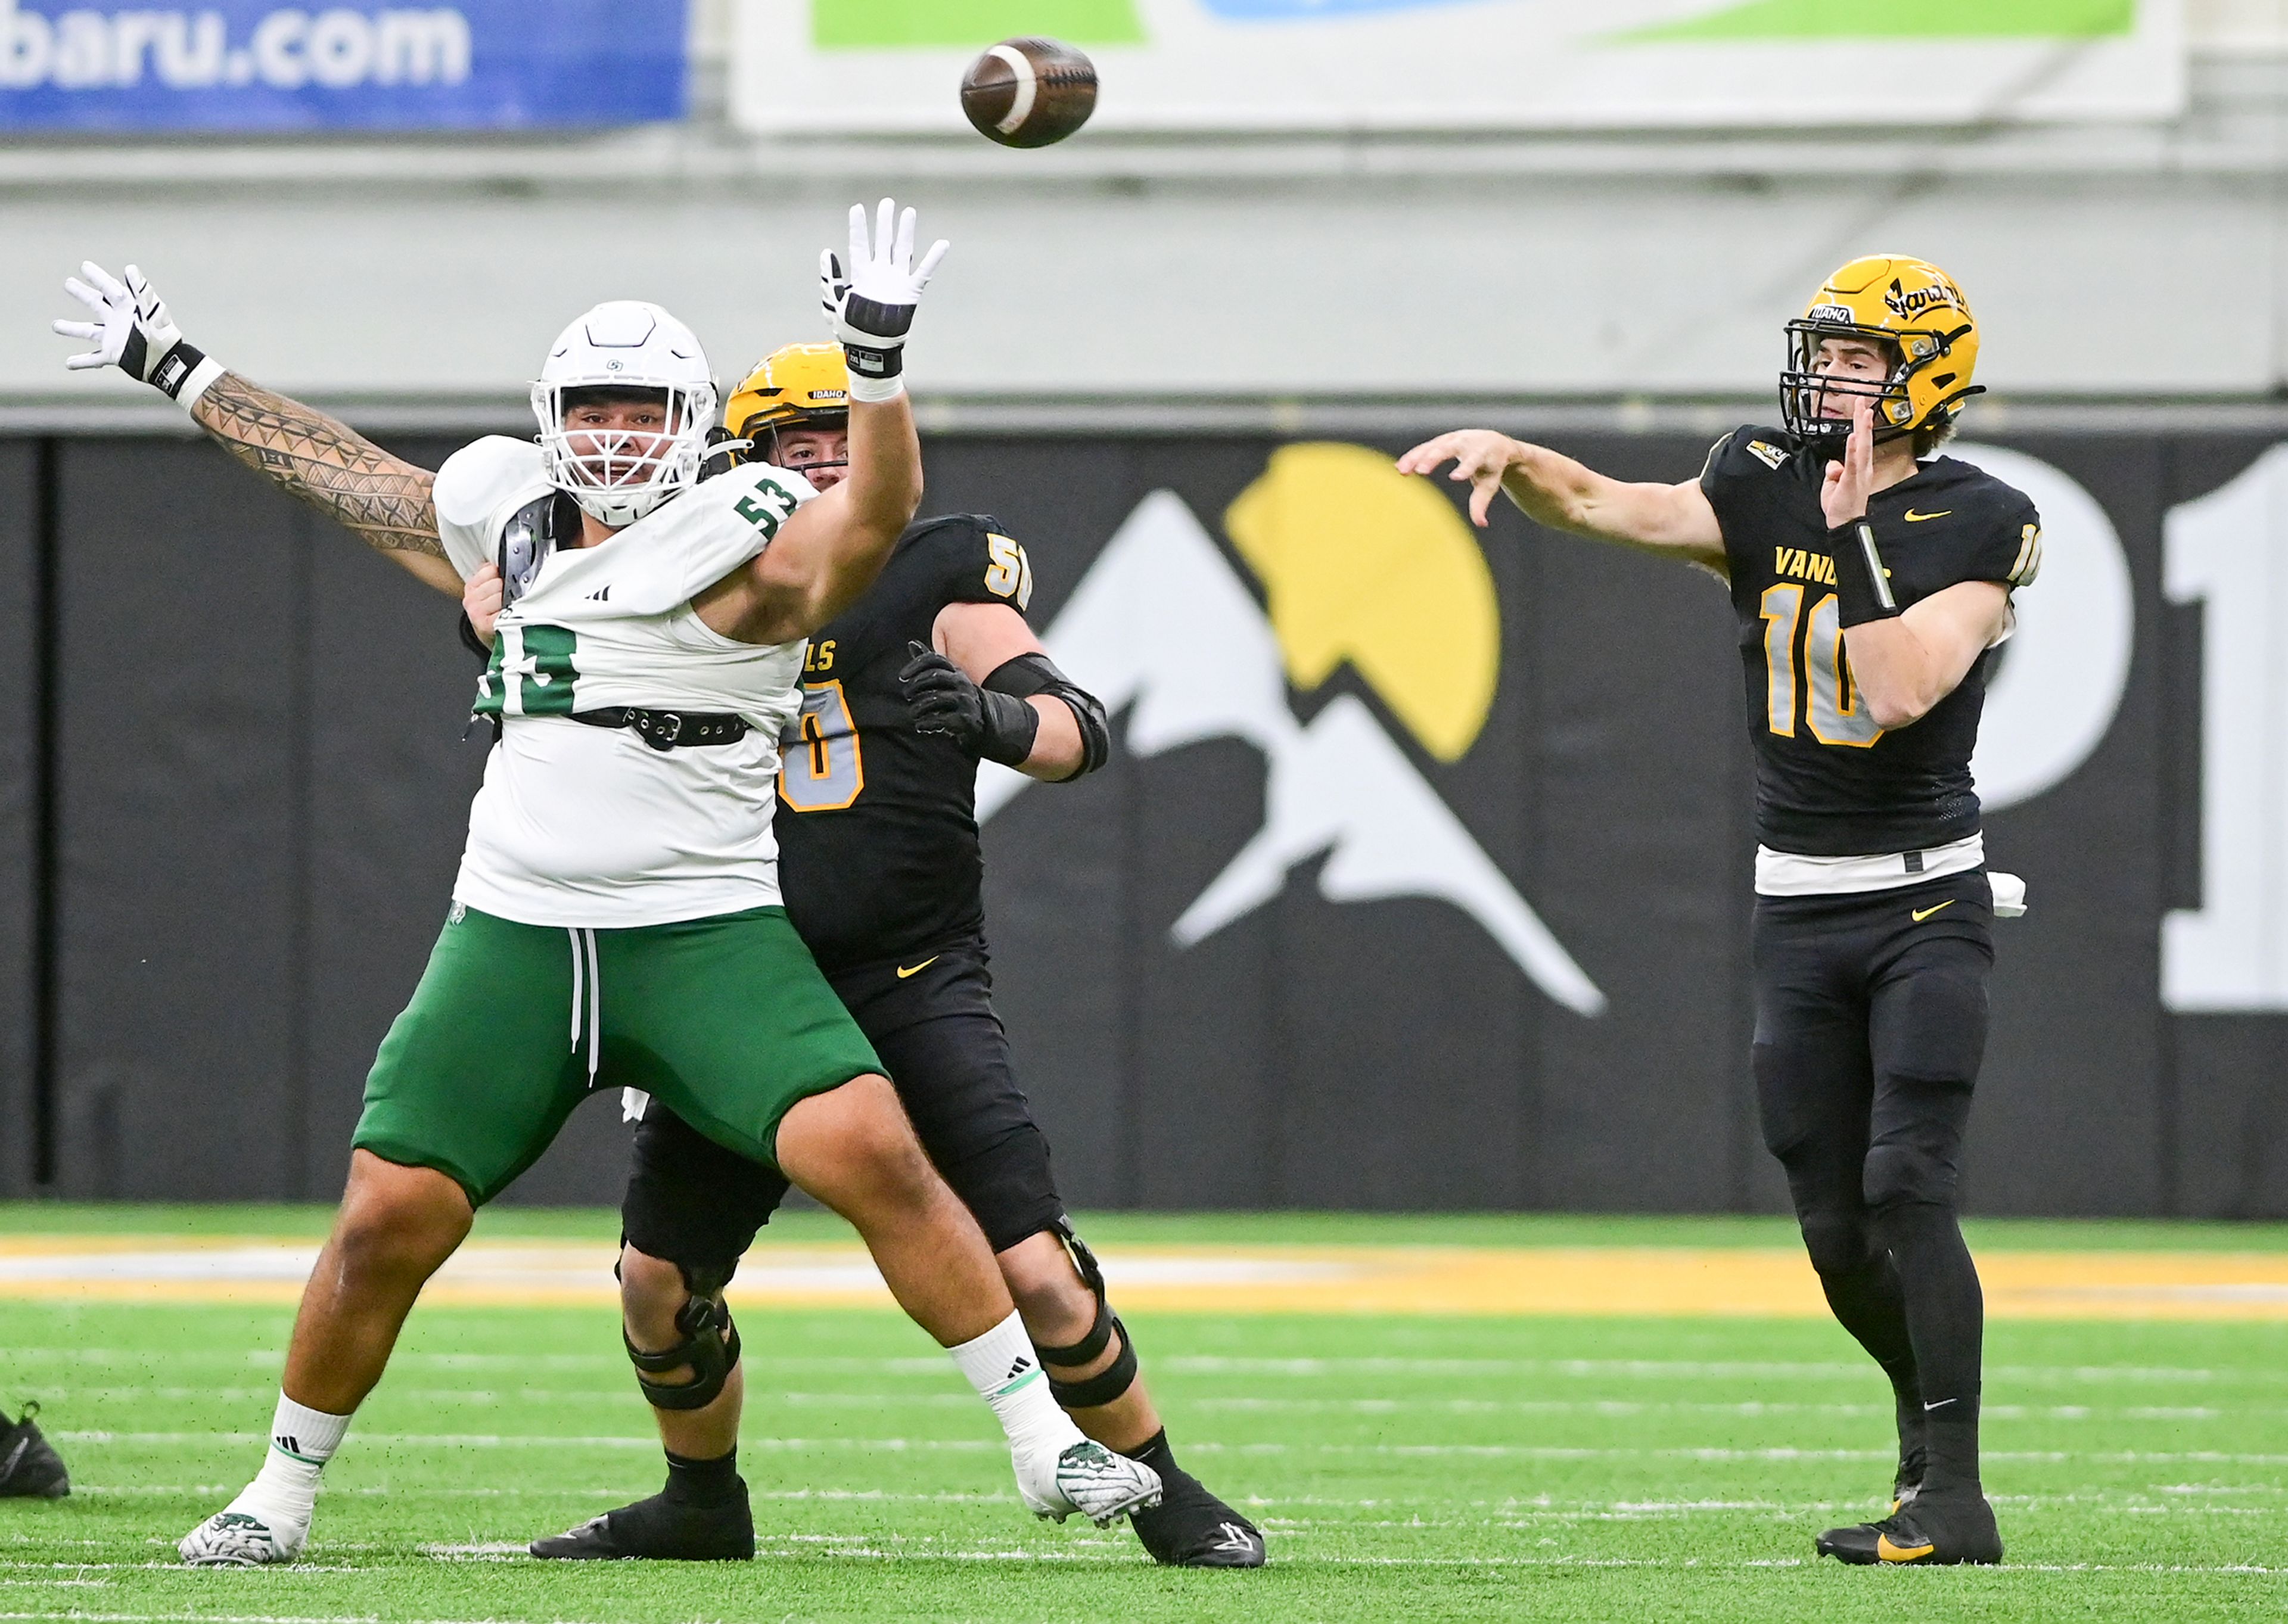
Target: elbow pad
x,y
1032,674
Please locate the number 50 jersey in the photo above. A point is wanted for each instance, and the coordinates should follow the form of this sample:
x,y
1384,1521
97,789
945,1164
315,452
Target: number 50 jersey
x,y
878,823
1829,782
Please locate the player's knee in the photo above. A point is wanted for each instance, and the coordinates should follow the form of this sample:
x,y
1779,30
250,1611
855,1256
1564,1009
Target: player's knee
x,y
1056,1304
683,1343
1901,1175
1091,1360
1840,1243
397,1220
652,1292
877,1147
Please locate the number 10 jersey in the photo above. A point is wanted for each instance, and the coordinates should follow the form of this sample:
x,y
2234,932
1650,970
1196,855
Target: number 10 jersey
x,y
1829,782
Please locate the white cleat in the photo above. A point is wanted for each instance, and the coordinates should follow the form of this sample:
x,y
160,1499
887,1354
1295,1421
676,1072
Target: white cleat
x,y
239,1536
1092,1480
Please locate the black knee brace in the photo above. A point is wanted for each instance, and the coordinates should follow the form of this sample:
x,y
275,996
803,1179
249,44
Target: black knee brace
x,y
1107,1385
709,1346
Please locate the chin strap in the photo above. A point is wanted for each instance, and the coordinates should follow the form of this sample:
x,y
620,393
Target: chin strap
x,y
1110,1383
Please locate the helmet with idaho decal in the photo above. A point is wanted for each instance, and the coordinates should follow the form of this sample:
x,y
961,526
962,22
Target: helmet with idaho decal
x,y
801,383
1916,313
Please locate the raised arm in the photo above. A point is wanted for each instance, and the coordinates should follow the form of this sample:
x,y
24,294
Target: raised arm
x,y
385,501
1904,662
830,551
1670,520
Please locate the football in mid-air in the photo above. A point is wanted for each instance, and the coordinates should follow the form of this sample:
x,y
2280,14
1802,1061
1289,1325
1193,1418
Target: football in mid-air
x,y
1029,92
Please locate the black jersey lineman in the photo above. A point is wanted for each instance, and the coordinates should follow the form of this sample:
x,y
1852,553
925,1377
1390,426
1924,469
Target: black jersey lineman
x,y
1872,940
878,823
882,875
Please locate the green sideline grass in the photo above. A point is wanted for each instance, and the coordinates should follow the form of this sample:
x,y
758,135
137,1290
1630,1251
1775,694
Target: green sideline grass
x,y
1417,1469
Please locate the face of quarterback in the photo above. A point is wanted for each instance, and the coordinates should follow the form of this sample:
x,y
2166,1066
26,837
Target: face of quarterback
x,y
1858,360
619,439
820,454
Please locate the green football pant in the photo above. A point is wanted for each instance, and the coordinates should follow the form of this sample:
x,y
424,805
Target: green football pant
x,y
727,1020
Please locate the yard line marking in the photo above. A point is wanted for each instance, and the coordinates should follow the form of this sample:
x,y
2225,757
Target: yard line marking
x,y
1665,1370
1538,1451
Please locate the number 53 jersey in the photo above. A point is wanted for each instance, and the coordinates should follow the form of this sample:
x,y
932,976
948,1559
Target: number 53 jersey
x,y
877,822
1829,782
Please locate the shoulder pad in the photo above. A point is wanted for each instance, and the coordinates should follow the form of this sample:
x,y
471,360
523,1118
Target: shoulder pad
x,y
481,475
534,530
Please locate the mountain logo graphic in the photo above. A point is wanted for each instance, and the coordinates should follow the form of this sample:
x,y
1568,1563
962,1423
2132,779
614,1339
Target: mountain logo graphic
x,y
1361,565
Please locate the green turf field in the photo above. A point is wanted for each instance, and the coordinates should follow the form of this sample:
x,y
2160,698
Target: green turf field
x,y
1402,1467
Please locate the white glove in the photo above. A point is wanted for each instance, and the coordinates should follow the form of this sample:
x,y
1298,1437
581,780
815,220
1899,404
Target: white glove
x,y
873,307
135,333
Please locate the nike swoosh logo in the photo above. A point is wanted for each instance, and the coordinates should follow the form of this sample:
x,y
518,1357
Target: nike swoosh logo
x,y
1936,1405
903,972
1920,914
1887,1552
1914,518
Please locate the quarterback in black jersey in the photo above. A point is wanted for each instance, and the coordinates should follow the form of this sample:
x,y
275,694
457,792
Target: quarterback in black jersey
x,y
1871,581
904,694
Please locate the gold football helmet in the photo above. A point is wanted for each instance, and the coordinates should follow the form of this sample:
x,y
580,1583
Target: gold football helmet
x,y
803,383
1919,315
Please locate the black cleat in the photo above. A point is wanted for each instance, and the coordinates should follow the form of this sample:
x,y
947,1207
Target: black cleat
x,y
1935,1531
1909,1482
1192,1528
29,1467
659,1530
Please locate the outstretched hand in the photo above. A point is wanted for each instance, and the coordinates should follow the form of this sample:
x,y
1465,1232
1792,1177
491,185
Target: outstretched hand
x,y
1481,456
132,330
871,301
1850,479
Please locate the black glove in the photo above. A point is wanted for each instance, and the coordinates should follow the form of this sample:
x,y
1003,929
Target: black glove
x,y
996,726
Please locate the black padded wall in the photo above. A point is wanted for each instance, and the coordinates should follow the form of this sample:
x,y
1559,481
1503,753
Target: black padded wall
x,y
261,789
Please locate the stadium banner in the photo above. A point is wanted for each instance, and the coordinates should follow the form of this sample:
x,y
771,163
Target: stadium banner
x,y
885,65
252,66
1419,876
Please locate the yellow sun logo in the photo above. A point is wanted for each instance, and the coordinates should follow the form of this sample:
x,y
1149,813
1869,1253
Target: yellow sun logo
x,y
1363,564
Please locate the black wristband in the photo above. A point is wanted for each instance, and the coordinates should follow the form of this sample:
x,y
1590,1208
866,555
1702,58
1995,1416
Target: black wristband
x,y
874,363
1862,586
175,369
1011,727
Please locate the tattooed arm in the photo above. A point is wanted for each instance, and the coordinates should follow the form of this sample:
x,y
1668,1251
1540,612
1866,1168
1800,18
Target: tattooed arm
x,y
305,452
385,501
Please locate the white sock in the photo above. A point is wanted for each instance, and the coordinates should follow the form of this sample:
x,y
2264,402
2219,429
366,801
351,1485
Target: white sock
x,y
302,1440
1006,1372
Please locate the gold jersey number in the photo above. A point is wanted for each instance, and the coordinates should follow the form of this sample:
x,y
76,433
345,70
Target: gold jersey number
x,y
1822,674
822,767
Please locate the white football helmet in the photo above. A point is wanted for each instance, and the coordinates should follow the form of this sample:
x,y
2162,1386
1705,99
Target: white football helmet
x,y
620,475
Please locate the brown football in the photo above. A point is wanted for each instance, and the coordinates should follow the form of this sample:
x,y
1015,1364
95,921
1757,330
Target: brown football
x,y
1029,92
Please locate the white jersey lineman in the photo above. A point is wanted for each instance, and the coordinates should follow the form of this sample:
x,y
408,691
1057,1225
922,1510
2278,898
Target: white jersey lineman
x,y
590,826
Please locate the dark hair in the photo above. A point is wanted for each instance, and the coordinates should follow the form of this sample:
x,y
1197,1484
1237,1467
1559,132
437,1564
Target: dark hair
x,y
1932,435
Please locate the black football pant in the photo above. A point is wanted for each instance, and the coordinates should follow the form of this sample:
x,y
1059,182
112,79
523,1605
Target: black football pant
x,y
1870,1023
930,1017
